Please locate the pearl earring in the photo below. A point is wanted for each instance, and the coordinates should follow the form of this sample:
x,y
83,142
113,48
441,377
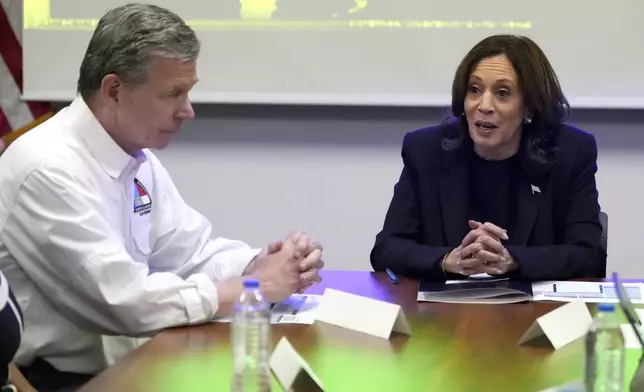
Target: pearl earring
x,y
527,120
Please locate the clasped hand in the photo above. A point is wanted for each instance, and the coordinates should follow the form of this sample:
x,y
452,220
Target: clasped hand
x,y
481,251
288,266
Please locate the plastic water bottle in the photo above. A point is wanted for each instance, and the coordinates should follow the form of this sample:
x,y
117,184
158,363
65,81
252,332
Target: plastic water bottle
x,y
605,352
250,340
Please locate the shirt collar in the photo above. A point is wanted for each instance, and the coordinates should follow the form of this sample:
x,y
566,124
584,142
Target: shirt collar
x,y
114,161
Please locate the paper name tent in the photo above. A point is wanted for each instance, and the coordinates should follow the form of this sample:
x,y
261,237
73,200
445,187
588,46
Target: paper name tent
x,y
561,326
292,371
362,314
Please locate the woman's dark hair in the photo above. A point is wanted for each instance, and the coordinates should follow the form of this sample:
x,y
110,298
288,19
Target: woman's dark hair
x,y
538,84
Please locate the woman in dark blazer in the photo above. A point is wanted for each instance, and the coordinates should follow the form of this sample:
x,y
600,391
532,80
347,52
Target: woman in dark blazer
x,y
504,187
10,331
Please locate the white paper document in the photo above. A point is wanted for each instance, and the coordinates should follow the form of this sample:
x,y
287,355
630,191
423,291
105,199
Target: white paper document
x,y
596,292
475,277
296,309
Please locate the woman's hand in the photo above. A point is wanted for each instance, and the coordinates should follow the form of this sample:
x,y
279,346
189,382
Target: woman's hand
x,y
481,251
494,258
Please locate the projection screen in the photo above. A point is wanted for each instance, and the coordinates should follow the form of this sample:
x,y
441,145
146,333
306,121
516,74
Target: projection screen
x,y
357,52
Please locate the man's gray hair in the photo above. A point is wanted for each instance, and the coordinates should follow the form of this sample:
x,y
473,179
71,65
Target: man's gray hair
x,y
125,41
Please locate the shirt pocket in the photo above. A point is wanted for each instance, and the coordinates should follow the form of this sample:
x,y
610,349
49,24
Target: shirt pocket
x,y
140,226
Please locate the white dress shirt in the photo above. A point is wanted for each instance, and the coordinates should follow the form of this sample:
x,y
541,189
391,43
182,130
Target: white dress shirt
x,y
94,241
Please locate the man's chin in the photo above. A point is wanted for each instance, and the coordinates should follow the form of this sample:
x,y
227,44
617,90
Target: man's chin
x,y
163,141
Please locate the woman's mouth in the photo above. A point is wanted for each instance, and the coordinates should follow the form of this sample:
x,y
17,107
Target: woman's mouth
x,y
485,127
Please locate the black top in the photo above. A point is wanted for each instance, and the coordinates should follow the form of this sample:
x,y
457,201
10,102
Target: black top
x,y
10,328
492,186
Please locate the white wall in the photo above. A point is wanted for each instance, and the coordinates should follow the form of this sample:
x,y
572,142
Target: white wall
x,y
259,172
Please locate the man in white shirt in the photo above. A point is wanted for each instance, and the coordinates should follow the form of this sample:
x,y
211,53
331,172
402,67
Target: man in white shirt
x,y
94,237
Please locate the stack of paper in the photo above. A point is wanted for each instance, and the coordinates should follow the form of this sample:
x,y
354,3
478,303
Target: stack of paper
x,y
482,291
586,291
490,290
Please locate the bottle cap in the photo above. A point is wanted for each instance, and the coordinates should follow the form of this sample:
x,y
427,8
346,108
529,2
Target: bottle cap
x,y
251,284
606,307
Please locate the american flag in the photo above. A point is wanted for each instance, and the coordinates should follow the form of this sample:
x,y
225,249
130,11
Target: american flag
x,y
16,115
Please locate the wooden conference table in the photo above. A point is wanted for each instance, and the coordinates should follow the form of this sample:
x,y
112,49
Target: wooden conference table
x,y
452,348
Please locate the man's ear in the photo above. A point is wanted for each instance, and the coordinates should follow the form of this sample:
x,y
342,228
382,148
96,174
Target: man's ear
x,y
111,88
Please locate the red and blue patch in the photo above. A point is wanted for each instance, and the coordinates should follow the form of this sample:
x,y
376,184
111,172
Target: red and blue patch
x,y
142,200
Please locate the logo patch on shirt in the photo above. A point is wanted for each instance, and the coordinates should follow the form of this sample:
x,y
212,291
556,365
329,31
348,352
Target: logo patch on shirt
x,y
142,200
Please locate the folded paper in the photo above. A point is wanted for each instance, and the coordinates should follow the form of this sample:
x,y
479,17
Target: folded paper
x,y
362,314
560,326
292,371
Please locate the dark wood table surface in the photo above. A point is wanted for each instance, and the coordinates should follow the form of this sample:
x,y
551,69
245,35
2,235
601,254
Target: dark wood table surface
x,y
453,348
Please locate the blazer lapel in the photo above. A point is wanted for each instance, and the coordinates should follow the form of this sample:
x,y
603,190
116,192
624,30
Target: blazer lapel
x,y
530,196
454,196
